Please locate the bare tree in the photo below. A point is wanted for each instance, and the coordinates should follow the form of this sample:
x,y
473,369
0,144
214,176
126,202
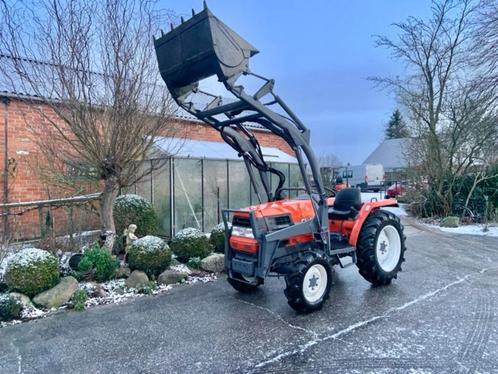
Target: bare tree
x,y
92,63
329,160
486,39
450,105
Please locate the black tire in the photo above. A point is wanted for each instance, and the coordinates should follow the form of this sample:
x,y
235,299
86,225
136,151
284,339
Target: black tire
x,y
238,284
368,262
295,284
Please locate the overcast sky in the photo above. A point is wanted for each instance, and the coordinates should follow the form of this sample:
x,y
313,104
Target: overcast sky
x,y
321,53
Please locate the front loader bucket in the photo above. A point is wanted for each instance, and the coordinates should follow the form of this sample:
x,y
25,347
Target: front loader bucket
x,y
199,48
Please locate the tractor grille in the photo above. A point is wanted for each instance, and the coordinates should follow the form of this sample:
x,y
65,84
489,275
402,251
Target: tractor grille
x,y
283,221
241,221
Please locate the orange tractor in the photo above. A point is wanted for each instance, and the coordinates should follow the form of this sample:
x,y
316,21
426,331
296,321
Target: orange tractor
x,y
301,238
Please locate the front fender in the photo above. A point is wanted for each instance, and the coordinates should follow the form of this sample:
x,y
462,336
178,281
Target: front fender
x,y
362,216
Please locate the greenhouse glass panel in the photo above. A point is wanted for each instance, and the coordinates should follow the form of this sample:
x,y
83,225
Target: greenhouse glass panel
x,y
239,185
215,192
143,187
260,189
161,196
295,179
187,194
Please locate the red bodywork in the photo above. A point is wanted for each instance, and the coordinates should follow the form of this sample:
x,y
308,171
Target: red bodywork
x,y
301,210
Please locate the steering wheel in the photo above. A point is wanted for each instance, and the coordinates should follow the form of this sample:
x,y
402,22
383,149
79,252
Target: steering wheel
x,y
331,191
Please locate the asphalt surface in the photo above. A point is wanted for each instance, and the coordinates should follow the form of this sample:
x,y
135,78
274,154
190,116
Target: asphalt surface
x,y
439,316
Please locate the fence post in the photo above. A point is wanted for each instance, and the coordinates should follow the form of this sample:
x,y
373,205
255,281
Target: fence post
x,y
41,222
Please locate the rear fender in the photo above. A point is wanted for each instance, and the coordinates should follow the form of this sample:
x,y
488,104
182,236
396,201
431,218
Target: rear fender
x,y
362,216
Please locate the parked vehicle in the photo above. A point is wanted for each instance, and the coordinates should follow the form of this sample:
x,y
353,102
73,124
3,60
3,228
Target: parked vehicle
x,y
299,239
395,190
367,177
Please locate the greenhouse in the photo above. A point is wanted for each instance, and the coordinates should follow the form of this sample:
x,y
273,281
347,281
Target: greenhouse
x,y
204,177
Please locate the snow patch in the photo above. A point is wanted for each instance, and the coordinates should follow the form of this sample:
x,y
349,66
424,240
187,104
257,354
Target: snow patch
x,y
399,211
477,229
189,232
27,256
181,268
131,199
149,243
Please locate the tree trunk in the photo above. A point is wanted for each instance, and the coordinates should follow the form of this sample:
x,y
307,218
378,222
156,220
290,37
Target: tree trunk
x,y
109,195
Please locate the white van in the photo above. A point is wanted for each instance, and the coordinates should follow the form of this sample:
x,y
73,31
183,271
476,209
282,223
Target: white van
x,y
368,177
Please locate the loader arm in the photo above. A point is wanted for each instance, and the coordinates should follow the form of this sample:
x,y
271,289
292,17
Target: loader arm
x,y
202,47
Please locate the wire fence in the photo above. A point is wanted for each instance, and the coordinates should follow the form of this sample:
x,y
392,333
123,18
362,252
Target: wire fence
x,y
46,220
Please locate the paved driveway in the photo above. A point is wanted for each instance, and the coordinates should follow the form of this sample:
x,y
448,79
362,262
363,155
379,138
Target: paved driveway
x,y
440,316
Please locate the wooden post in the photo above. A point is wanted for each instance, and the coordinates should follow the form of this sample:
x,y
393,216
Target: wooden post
x,y
41,221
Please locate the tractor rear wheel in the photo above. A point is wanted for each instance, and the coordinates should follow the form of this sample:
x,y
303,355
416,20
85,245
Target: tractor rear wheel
x,y
381,248
239,283
309,287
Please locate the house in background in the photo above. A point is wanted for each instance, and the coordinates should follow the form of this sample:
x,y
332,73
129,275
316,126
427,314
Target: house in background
x,y
392,154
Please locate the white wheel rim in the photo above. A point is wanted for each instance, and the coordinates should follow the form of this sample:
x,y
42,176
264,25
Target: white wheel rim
x,y
315,283
388,248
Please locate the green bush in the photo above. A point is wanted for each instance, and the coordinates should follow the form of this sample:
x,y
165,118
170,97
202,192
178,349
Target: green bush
x,y
217,238
78,300
31,271
100,261
135,209
194,262
148,289
149,254
189,243
10,307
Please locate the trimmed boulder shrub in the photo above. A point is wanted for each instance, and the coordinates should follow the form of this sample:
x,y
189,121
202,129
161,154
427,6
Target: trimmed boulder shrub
x,y
135,209
10,307
190,242
217,238
31,271
100,262
149,254
450,221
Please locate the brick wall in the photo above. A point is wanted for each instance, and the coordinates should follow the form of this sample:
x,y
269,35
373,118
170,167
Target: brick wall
x,y
25,183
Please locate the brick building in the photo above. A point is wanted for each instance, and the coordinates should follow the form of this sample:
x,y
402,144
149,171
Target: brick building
x,y
20,163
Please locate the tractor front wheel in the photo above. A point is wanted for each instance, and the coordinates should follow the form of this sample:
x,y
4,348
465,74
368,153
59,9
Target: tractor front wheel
x,y
381,248
308,289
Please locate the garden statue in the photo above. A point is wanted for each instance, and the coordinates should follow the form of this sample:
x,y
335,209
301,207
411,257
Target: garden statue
x,y
129,236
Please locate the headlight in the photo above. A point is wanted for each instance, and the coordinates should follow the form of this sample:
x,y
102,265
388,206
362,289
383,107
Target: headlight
x,y
246,232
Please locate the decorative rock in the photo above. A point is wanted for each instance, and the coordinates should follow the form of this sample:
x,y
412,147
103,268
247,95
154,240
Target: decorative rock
x,y
137,279
58,295
450,221
94,289
123,272
214,263
175,262
171,276
23,299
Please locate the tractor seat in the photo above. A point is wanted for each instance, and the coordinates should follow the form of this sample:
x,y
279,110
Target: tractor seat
x,y
346,205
